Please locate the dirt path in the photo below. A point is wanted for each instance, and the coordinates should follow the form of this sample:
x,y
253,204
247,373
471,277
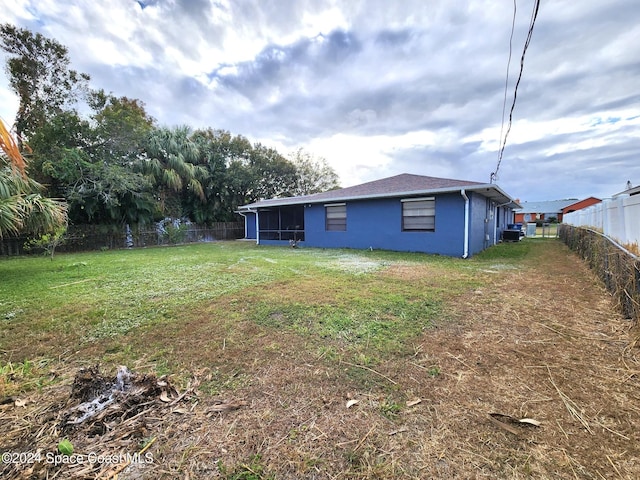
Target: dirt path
x,y
544,343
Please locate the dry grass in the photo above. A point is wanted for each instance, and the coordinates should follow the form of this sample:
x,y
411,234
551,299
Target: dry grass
x,y
618,269
540,340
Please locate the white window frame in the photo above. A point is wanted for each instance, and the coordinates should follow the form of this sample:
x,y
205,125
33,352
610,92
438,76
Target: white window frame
x,y
419,214
335,217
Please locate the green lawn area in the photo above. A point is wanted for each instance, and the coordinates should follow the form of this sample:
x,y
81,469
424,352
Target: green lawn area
x,y
140,306
92,302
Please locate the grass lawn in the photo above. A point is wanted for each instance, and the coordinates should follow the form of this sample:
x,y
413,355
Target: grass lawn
x,y
102,304
422,348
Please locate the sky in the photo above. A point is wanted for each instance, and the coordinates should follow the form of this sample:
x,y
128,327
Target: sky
x,y
378,87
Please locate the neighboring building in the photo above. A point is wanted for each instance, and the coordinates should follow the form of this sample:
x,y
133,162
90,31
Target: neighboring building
x,y
404,213
616,217
545,211
629,192
574,207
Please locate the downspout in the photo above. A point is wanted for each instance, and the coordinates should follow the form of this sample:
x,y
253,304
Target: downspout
x,y
245,222
466,223
495,224
257,228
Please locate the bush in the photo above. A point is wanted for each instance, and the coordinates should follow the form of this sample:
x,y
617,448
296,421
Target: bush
x,y
176,234
48,241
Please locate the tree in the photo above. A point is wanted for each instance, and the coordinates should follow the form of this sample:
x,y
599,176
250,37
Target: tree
x,y
315,175
171,166
274,175
121,127
48,242
110,194
239,185
257,172
57,147
95,177
38,69
215,149
22,207
90,162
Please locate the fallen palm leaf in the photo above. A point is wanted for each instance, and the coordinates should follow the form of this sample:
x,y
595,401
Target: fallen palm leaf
x,y
505,422
530,421
501,424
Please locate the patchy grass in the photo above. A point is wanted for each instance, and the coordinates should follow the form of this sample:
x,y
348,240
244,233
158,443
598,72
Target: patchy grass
x,y
343,364
91,301
253,469
17,377
90,296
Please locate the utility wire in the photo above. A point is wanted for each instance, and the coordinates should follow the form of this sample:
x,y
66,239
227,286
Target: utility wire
x,y
506,81
532,21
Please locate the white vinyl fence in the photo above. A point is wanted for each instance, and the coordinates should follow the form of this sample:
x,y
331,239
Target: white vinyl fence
x,y
618,218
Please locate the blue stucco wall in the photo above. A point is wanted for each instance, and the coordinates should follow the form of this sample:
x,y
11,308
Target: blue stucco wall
x,y
250,225
378,224
477,215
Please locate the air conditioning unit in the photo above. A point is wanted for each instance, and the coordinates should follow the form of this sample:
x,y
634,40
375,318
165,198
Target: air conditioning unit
x,y
511,235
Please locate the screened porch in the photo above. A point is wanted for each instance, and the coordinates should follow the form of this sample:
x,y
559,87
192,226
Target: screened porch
x,y
282,223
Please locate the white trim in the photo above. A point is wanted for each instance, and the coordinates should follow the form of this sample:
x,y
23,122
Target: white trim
x,y
257,229
483,189
465,254
421,199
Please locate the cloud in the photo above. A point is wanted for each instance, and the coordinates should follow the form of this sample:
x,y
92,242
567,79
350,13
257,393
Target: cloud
x,y
377,87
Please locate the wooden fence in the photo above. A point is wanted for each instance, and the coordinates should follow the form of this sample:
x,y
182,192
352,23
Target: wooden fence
x,y
618,268
102,237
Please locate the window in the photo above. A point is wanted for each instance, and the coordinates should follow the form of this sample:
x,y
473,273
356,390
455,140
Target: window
x,y
419,214
336,217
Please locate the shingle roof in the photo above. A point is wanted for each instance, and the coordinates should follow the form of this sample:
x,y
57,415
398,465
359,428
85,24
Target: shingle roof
x,y
403,184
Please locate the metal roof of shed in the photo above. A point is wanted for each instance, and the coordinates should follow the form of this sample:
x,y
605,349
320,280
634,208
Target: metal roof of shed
x,y
552,206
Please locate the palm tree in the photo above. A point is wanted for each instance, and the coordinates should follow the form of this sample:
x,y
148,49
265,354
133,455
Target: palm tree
x,y
22,208
171,161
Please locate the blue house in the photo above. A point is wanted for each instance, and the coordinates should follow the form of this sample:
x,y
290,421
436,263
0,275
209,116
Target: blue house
x,y
411,213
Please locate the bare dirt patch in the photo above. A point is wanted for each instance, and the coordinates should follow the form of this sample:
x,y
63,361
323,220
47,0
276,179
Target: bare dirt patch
x,y
540,341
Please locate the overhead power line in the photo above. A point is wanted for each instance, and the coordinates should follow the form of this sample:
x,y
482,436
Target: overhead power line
x,y
506,81
532,21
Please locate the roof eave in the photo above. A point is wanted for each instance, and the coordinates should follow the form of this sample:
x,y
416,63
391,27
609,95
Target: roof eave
x,y
498,195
